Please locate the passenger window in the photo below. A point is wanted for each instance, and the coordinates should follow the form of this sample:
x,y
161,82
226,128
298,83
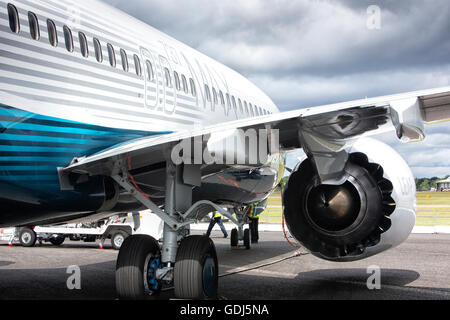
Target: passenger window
x,y
177,81
228,100
184,83
52,34
251,109
241,110
68,38
124,58
208,93
83,44
216,100
98,50
256,111
168,78
193,88
246,107
137,65
222,100
150,74
34,26
14,22
234,103
111,55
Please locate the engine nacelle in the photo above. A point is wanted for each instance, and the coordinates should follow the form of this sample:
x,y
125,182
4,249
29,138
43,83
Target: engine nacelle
x,y
372,212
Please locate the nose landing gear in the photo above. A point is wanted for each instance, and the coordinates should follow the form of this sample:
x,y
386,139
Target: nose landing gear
x,y
236,236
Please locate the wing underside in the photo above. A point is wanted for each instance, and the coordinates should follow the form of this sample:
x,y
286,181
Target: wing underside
x,y
323,132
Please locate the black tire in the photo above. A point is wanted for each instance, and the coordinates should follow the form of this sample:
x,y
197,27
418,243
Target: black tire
x,y
57,240
247,239
196,269
90,238
132,267
118,238
27,237
234,239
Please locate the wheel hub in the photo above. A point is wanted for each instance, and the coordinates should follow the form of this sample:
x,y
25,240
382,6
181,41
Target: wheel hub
x,y
209,276
152,284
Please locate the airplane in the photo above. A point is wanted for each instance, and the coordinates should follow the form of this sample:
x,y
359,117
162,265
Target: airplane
x,y
102,114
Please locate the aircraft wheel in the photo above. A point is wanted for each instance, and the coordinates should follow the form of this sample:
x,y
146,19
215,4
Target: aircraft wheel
x,y
57,240
247,239
234,238
138,260
196,269
27,237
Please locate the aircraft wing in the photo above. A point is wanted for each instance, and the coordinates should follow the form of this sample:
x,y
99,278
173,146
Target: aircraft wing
x,y
321,131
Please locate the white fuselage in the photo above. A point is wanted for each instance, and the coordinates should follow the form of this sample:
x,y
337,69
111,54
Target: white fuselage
x,y
177,88
79,77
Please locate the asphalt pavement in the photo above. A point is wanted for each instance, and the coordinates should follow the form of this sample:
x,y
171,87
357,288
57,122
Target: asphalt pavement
x,y
271,270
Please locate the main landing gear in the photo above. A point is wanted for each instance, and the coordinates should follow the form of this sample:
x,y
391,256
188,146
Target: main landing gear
x,y
189,263
235,238
140,273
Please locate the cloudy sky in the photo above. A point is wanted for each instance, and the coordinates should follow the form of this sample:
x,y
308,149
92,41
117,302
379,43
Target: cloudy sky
x,y
311,52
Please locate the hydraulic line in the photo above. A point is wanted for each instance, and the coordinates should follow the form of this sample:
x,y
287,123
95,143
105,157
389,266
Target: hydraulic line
x,y
284,227
133,181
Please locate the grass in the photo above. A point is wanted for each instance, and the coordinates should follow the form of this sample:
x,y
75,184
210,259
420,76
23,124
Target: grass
x,y
431,215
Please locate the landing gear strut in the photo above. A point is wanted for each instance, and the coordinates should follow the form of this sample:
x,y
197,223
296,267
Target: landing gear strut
x,y
190,263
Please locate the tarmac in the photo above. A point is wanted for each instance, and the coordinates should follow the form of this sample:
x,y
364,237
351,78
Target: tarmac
x,y
270,270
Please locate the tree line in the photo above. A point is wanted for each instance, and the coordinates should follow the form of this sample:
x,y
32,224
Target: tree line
x,y
422,184
425,184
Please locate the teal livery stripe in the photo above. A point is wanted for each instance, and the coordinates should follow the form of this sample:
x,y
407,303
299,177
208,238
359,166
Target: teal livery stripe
x,y
32,146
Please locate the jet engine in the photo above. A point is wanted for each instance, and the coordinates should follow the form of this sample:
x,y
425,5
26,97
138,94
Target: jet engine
x,y
374,210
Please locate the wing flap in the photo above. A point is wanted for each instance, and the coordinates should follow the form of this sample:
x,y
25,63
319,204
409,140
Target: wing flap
x,y
435,107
